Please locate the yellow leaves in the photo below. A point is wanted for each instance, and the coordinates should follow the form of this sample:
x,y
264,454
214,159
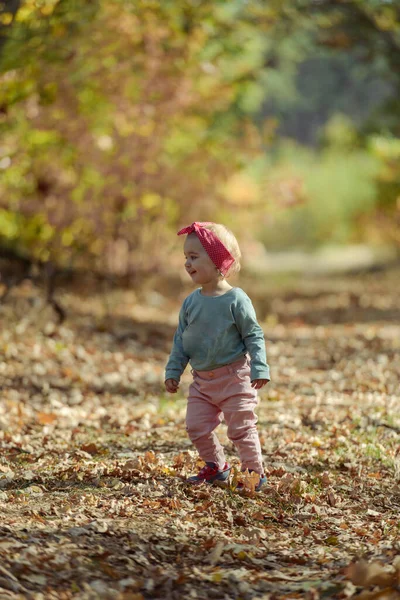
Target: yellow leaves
x,y
331,540
9,224
32,9
234,477
151,201
123,124
242,190
317,442
67,238
168,471
47,7
145,129
387,19
6,18
27,11
217,577
33,490
134,90
385,147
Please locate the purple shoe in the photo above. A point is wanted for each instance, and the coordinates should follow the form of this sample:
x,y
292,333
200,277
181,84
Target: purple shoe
x,y
210,473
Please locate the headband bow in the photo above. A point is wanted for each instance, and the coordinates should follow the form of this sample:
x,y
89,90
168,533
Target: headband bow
x,y
219,254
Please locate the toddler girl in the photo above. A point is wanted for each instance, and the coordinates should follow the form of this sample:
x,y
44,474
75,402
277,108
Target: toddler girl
x,y
217,333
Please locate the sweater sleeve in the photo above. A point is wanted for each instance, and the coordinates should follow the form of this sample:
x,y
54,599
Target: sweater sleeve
x,y
252,336
177,359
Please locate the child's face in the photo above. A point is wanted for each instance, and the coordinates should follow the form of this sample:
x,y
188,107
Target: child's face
x,y
198,264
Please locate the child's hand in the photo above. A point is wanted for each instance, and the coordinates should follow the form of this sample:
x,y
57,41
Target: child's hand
x,y
257,384
171,385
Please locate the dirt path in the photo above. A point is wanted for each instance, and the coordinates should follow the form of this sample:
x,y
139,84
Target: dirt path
x,y
94,456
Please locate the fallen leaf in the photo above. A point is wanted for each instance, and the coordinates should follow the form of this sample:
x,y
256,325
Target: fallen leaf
x,y
366,574
90,448
45,418
216,553
331,499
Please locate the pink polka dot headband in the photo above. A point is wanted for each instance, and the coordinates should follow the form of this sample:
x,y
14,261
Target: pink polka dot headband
x,y
215,249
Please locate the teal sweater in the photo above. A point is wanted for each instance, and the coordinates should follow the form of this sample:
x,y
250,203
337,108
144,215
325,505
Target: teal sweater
x,y
214,331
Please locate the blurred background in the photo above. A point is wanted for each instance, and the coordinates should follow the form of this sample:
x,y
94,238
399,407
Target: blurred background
x,y
122,121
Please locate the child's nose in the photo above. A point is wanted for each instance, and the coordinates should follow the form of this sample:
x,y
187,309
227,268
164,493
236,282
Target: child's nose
x,y
187,262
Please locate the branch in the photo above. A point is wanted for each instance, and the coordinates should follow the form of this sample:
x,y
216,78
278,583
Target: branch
x,y
26,265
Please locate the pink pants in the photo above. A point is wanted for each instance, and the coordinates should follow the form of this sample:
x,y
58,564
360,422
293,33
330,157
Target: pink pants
x,y
224,393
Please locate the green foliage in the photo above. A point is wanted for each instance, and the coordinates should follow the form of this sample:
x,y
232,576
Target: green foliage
x,y
119,120
106,145
331,191
9,225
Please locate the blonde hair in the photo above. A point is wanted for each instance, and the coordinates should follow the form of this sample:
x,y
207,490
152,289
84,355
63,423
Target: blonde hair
x,y
230,242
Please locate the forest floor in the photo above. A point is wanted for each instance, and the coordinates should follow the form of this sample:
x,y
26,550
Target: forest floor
x,y
94,455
